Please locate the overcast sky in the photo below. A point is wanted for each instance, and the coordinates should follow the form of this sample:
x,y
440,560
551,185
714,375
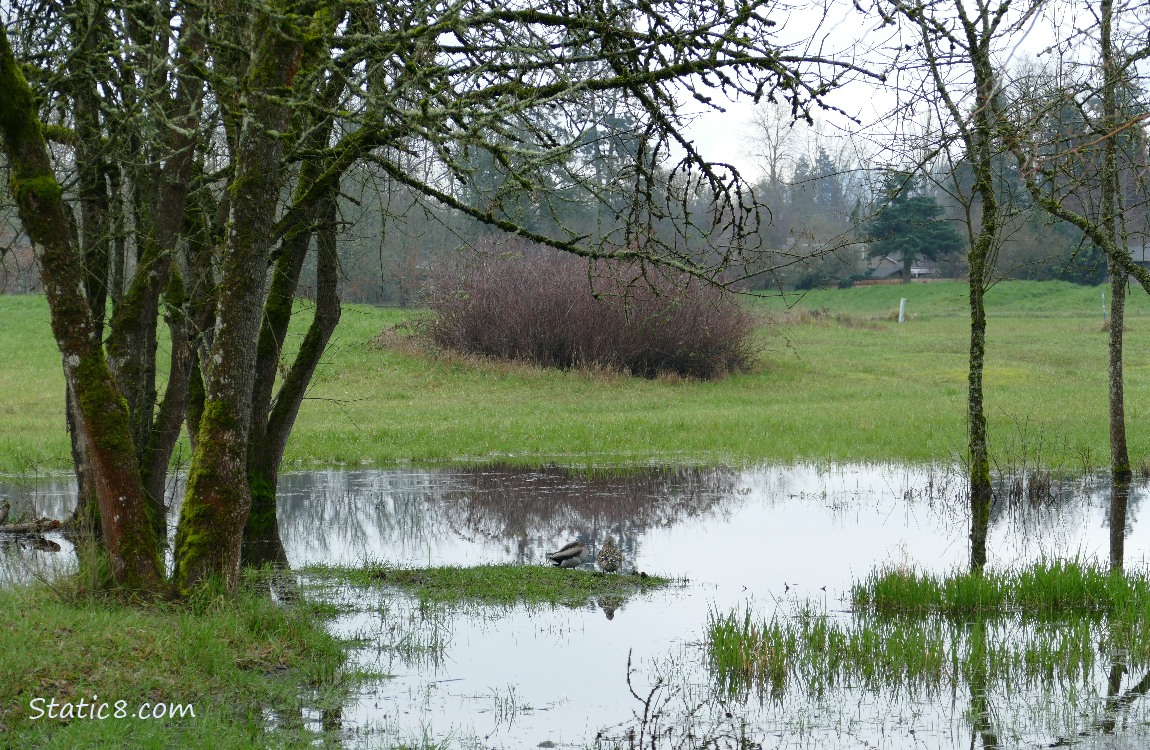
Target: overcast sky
x,y
725,136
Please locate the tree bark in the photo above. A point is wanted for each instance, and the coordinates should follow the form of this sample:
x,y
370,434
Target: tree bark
x,y
133,344
1111,81
218,499
981,152
270,431
128,535
86,515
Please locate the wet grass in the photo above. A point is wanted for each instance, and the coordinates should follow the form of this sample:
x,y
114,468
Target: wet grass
x,y
1051,625
495,584
247,666
1047,588
865,390
813,652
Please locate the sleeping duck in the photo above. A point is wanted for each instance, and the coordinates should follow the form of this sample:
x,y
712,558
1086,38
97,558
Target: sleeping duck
x,y
569,556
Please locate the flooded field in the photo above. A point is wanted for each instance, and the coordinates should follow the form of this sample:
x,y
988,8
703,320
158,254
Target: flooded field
x,y
780,544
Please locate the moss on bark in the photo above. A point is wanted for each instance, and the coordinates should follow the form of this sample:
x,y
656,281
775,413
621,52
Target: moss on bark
x,y
215,505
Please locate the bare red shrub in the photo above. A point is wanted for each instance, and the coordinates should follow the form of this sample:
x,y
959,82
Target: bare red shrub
x,y
519,302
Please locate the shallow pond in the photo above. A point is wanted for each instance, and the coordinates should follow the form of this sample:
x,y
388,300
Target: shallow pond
x,y
773,540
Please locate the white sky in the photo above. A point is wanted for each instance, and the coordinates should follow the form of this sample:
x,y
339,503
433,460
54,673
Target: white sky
x,y
726,136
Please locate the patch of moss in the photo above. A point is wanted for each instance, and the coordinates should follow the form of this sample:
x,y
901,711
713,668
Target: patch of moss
x,y
202,534
44,188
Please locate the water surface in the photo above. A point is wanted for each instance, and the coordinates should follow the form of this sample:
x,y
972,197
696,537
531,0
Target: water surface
x,y
766,538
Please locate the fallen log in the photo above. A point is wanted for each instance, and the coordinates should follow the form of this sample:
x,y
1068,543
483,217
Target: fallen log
x,y
32,527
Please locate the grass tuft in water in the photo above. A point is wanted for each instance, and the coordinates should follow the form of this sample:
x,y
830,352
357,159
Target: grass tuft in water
x,y
1048,626
496,584
816,651
1048,588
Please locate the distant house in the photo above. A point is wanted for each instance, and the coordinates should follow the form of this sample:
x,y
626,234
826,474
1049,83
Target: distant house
x,y
890,267
1140,252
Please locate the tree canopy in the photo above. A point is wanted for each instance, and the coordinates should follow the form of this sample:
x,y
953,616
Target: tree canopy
x,y
203,149
911,224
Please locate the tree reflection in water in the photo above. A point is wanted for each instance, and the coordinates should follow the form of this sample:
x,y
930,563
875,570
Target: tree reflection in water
x,y
508,512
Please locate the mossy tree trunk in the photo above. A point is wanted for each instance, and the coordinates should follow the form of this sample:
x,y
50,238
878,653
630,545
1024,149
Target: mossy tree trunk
x,y
128,535
85,519
970,32
980,150
1112,81
218,498
273,413
162,187
94,242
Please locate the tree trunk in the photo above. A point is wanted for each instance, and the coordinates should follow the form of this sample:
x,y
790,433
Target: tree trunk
x,y
218,499
133,345
1120,470
907,262
85,519
103,420
981,494
1111,81
980,146
271,427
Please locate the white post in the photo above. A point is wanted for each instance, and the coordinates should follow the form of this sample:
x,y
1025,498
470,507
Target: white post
x,y
902,310
1103,307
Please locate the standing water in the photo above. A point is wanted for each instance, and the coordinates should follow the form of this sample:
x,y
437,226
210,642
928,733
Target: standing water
x,y
774,542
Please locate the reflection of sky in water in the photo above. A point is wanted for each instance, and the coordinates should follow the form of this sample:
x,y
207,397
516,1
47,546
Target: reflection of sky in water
x,y
770,536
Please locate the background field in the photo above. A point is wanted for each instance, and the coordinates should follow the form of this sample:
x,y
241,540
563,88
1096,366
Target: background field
x,y
850,384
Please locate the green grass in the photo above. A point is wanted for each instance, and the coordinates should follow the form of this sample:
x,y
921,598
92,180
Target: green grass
x,y
238,662
1047,588
496,584
1048,624
820,391
812,652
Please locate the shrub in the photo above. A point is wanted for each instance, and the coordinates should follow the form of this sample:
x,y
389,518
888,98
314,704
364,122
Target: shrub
x,y
551,309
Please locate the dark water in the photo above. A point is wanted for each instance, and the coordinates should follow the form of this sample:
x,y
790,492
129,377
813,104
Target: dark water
x,y
770,539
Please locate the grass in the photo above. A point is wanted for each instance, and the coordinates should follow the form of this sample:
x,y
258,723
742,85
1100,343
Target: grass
x,y
1047,588
1047,625
812,653
247,666
495,584
822,390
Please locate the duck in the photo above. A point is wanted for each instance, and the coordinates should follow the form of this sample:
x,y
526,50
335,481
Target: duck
x,y
571,555
609,557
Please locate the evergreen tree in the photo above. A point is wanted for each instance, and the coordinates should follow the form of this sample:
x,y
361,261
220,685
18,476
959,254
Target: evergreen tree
x,y
910,224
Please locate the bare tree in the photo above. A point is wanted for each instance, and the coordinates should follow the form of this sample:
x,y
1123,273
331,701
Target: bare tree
x,y
238,122
1077,134
956,43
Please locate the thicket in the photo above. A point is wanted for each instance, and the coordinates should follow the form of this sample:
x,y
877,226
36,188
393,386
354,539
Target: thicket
x,y
524,303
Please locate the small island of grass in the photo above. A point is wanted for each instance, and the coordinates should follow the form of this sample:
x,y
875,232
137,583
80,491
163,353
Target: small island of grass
x,y
496,584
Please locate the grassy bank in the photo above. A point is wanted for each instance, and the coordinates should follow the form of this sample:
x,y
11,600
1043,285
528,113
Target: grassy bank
x,y
862,388
246,666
